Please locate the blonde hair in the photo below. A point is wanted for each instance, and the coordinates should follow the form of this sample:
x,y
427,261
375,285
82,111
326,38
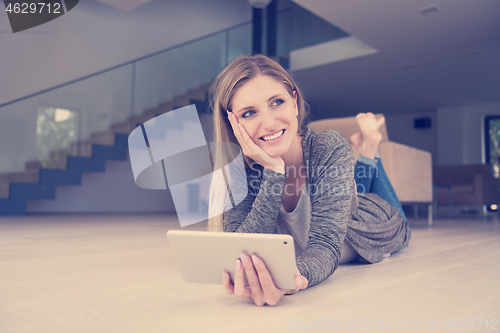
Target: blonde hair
x,y
222,90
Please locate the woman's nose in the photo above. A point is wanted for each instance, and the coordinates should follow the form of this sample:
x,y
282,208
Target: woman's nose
x,y
268,121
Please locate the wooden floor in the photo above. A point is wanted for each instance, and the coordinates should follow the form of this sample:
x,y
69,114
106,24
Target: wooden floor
x,y
115,273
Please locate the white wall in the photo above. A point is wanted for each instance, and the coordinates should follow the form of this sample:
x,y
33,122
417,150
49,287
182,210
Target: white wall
x,y
456,135
460,133
400,128
451,128
93,37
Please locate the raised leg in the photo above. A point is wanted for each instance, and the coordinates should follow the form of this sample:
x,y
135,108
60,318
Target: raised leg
x,y
369,173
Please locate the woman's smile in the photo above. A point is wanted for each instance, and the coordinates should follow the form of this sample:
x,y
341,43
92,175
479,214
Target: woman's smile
x,y
273,138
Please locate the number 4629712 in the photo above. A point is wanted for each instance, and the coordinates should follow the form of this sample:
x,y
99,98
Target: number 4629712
x,y
471,324
33,7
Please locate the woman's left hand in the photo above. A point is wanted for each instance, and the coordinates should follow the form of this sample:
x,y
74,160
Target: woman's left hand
x,y
261,288
251,149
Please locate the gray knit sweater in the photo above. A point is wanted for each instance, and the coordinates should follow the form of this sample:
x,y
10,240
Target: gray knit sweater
x,y
330,184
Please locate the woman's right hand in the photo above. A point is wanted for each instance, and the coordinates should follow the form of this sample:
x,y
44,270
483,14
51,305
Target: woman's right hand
x,y
261,288
252,150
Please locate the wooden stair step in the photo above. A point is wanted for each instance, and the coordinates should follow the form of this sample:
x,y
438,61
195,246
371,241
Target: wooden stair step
x,y
200,93
82,148
33,165
143,117
163,107
181,101
103,138
124,127
4,191
26,176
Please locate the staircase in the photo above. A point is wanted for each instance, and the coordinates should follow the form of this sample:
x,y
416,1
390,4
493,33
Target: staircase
x,y
63,168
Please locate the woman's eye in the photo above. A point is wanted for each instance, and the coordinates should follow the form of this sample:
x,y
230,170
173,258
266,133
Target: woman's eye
x,y
278,102
247,114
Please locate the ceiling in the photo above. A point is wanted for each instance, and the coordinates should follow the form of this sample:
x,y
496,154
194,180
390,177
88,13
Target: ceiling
x,y
432,54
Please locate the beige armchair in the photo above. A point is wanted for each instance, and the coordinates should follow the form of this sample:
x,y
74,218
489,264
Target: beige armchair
x,y
409,169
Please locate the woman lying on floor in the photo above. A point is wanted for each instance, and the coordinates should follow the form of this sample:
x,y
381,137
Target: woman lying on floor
x,y
301,182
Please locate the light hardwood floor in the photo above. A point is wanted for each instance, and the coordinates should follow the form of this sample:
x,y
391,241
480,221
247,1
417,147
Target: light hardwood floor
x,y
115,273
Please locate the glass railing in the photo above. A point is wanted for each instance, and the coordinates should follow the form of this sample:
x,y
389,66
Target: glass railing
x,y
47,126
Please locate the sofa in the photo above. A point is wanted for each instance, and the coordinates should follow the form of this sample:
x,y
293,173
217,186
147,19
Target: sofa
x,y
472,184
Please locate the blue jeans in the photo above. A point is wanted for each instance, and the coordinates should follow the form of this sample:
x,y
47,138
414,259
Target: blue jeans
x,y
370,177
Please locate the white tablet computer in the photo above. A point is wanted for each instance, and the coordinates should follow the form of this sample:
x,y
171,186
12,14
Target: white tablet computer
x,y
202,256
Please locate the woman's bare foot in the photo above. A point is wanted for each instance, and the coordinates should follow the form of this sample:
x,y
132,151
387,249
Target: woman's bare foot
x,y
368,139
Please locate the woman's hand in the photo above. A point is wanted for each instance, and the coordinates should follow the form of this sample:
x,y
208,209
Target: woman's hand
x,y
261,288
252,150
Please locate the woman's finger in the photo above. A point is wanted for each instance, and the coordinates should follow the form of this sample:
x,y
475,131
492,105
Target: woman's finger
x,y
238,133
251,149
301,282
239,281
233,124
242,135
226,281
271,292
266,281
253,280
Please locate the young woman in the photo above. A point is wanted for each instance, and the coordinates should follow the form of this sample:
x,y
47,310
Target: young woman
x,y
300,182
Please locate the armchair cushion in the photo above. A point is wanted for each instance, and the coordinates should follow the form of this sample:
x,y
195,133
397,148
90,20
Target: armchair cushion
x,y
346,126
409,170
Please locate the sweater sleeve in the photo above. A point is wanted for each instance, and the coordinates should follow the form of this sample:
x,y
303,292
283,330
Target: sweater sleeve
x,y
332,191
258,212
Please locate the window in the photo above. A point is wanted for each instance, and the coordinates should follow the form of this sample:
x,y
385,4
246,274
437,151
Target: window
x,y
492,143
56,130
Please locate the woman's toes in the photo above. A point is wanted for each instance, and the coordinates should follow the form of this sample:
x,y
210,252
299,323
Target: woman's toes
x,y
380,122
360,116
357,139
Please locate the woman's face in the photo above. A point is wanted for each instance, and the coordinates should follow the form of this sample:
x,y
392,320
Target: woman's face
x,y
269,114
